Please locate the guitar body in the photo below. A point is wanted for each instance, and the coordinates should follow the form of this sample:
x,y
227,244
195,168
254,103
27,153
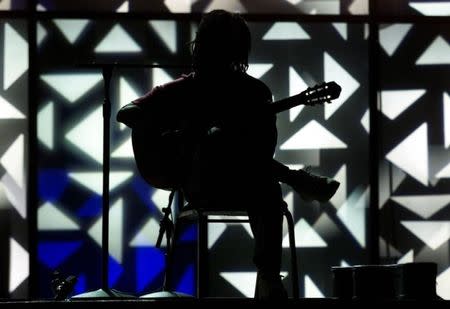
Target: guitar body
x,y
159,159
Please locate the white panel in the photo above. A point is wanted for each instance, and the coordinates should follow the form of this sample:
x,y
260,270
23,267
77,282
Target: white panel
x,y
246,226
40,8
417,165
446,116
179,6
228,5
432,233
50,218
13,160
437,53
127,94
167,32
407,258
296,85
215,230
5,5
124,7
147,236
341,28
311,289
71,28
115,230
244,282
117,41
392,36
359,7
443,284
365,121
353,214
72,86
41,33
8,111
15,57
395,102
432,8
87,135
444,173
312,136
45,124
423,205
125,150
160,198
286,31
257,70
93,180
305,236
19,265
333,71
15,194
344,264
160,77
340,196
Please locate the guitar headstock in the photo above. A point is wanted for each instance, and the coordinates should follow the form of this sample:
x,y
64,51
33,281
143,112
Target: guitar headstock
x,y
321,93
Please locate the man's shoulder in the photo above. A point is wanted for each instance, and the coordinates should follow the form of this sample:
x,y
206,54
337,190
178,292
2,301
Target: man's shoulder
x,y
257,84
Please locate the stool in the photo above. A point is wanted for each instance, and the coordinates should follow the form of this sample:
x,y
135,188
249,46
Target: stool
x,y
205,216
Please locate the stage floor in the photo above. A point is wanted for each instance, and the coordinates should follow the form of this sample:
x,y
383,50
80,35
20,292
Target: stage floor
x,y
229,302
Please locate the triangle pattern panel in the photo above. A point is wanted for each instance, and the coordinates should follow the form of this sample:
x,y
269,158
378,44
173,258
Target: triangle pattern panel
x,y
340,196
15,57
71,28
432,233
443,282
124,7
147,235
54,253
407,258
13,160
244,282
353,214
305,236
19,267
50,218
296,85
92,126
434,8
160,77
5,5
286,31
395,102
311,289
8,111
45,124
444,173
257,70
392,36
334,71
118,41
115,230
15,194
417,165
365,121
437,53
167,32
93,181
359,7
179,6
41,34
312,136
125,150
64,84
423,205
341,28
215,231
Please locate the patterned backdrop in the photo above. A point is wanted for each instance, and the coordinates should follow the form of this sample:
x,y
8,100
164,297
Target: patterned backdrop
x,y
415,122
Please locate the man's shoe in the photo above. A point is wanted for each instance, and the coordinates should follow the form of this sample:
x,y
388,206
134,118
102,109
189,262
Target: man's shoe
x,y
312,187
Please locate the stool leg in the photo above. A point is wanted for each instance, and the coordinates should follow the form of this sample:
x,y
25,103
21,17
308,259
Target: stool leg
x,y
294,269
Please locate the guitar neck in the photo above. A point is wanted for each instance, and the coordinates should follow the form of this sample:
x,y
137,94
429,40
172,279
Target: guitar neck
x,y
287,103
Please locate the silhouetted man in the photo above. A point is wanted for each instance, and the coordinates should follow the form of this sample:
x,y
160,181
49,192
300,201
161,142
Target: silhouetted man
x,y
228,139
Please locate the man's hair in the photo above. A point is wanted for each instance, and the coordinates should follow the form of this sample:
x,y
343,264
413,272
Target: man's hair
x,y
223,41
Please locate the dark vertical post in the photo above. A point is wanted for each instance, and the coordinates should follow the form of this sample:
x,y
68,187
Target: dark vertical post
x,y
107,73
32,183
374,137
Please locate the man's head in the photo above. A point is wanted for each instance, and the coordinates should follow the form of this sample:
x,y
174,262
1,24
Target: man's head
x,y
222,43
